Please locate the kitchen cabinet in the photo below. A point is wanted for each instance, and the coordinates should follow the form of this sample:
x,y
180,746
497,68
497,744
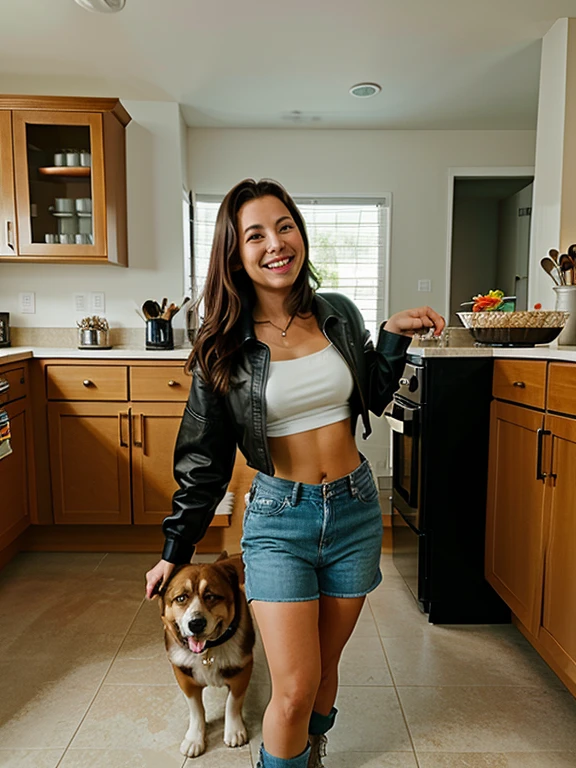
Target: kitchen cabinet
x,y
531,513
16,469
112,431
63,180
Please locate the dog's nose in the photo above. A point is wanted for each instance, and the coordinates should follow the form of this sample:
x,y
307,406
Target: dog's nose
x,y
197,625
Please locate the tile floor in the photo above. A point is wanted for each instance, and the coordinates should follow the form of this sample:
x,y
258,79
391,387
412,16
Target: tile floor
x,y
84,682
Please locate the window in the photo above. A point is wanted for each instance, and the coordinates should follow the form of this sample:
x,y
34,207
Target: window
x,y
348,247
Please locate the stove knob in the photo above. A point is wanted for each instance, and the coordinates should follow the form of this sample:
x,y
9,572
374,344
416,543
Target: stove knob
x,y
404,382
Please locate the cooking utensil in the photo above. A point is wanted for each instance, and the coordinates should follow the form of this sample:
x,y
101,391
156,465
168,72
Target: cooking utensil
x,y
550,266
553,253
151,309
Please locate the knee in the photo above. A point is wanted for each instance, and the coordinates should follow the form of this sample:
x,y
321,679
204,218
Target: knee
x,y
297,700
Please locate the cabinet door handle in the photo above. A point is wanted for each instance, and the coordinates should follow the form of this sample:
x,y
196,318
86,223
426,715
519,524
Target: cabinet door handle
x,y
123,443
87,383
539,474
519,384
140,443
9,240
172,383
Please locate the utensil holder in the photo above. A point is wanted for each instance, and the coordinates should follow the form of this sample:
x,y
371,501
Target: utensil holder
x,y
159,334
566,302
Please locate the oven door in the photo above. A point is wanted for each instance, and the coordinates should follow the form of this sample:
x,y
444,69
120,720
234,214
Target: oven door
x,y
404,419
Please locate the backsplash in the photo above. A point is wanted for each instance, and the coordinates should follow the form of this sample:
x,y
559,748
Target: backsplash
x,y
128,338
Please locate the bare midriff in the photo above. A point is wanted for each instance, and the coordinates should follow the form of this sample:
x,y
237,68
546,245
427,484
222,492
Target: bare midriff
x,y
317,455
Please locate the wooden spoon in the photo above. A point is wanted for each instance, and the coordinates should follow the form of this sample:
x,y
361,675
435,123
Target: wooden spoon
x,y
550,266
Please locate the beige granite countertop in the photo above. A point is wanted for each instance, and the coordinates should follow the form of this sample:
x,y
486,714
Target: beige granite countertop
x,y
14,354
548,352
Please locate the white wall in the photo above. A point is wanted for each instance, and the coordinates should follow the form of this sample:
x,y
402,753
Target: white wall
x,y
156,159
411,165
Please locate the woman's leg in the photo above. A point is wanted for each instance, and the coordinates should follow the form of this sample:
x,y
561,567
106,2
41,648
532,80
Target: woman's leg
x,y
290,637
337,619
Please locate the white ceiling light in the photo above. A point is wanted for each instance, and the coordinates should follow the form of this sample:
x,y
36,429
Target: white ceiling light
x,y
365,90
102,6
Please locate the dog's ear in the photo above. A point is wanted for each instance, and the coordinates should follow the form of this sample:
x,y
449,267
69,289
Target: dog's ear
x,y
234,568
223,556
159,590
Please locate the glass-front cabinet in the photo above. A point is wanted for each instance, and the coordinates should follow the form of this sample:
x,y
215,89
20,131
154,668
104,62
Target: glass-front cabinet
x,y
69,183
7,210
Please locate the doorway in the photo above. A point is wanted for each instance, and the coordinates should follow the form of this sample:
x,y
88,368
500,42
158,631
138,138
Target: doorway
x,y
489,237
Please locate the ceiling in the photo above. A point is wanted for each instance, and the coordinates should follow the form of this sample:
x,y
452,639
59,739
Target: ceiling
x,y
447,64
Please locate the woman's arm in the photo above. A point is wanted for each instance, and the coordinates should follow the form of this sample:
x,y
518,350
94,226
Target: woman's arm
x,y
203,462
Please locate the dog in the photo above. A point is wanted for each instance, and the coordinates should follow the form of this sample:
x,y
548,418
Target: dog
x,y
209,638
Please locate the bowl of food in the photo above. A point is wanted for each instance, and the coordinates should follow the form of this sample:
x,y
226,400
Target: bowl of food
x,y
514,329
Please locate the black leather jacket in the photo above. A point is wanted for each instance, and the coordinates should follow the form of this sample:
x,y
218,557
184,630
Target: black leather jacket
x,y
214,426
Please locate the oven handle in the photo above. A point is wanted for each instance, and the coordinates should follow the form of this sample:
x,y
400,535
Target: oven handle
x,y
395,424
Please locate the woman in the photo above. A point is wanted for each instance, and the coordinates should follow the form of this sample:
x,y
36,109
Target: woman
x,y
284,373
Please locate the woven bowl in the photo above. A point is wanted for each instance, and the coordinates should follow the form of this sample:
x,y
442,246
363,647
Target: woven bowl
x,y
514,329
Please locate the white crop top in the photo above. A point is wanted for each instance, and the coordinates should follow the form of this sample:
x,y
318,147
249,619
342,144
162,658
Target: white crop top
x,y
307,392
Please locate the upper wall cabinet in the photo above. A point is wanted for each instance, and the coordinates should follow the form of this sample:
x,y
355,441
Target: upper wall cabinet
x,y
62,180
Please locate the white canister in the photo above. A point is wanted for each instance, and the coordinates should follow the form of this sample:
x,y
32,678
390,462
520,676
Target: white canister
x,y
566,302
73,158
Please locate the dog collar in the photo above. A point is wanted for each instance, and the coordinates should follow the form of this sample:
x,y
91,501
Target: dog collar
x,y
231,631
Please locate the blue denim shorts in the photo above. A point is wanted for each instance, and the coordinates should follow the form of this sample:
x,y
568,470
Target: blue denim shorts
x,y
302,540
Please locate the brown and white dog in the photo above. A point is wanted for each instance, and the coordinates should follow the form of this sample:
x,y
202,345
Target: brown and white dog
x,y
209,638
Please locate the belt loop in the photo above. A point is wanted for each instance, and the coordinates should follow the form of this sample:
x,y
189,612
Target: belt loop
x,y
295,494
252,490
352,485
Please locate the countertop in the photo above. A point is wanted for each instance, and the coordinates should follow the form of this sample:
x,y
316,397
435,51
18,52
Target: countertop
x,y
14,354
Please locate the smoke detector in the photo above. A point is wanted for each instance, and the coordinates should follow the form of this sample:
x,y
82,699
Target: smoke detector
x,y
365,90
102,6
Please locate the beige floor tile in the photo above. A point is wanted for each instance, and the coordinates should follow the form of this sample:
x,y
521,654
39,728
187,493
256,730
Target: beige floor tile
x,y
120,758
142,660
391,579
52,565
218,755
369,720
363,663
148,621
366,626
42,716
125,566
498,760
371,760
135,717
489,719
30,758
467,655
396,613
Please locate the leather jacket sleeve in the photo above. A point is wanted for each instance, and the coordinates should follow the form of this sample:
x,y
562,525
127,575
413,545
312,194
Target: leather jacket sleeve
x,y
384,366
203,462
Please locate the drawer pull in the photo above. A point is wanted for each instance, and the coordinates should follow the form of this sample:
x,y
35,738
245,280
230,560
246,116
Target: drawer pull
x,y
172,383
87,383
519,384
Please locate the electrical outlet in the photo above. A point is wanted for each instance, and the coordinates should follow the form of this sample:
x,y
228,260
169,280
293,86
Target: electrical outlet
x,y
80,302
27,302
98,301
425,285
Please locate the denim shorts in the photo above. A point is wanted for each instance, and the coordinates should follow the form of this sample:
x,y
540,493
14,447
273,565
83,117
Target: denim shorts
x,y
302,540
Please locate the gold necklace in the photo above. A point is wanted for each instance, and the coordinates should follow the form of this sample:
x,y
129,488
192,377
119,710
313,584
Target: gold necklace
x,y
282,330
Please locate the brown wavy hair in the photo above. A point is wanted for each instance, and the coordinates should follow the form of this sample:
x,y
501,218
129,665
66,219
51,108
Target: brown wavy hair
x,y
228,288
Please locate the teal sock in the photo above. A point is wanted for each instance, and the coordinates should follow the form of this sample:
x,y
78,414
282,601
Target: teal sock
x,y
321,723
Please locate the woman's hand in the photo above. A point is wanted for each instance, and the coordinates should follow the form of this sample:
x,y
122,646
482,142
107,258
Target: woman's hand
x,y
157,577
411,321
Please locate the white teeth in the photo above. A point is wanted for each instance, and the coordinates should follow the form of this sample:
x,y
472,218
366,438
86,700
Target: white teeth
x,y
275,264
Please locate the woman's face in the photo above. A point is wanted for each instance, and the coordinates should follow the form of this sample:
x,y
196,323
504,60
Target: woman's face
x,y
271,246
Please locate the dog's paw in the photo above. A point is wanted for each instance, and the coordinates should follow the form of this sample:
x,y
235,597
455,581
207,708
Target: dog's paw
x,y
235,734
192,747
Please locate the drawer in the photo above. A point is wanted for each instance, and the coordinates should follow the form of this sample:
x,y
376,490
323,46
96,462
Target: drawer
x,y
159,383
16,377
520,381
562,388
87,382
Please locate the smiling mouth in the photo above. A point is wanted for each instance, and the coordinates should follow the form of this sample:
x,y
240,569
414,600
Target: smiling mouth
x,y
279,263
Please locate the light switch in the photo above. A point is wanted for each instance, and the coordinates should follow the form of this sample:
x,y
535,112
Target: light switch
x,y
27,302
80,302
425,286
98,301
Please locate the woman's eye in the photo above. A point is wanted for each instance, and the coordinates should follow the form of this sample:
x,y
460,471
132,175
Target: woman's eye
x,y
253,236
287,226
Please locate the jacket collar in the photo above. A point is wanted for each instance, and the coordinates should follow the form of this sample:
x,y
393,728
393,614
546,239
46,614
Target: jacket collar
x,y
322,308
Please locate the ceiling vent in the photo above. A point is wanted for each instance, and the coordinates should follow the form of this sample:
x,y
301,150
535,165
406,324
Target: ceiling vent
x,y
365,90
102,6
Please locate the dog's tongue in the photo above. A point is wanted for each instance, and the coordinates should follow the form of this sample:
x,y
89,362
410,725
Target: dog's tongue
x,y
196,646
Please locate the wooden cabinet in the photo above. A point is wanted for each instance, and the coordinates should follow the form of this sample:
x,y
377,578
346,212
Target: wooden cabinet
x,y
531,518
514,514
63,180
521,381
16,469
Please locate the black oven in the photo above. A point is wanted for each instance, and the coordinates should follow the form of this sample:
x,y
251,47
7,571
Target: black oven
x,y
439,419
